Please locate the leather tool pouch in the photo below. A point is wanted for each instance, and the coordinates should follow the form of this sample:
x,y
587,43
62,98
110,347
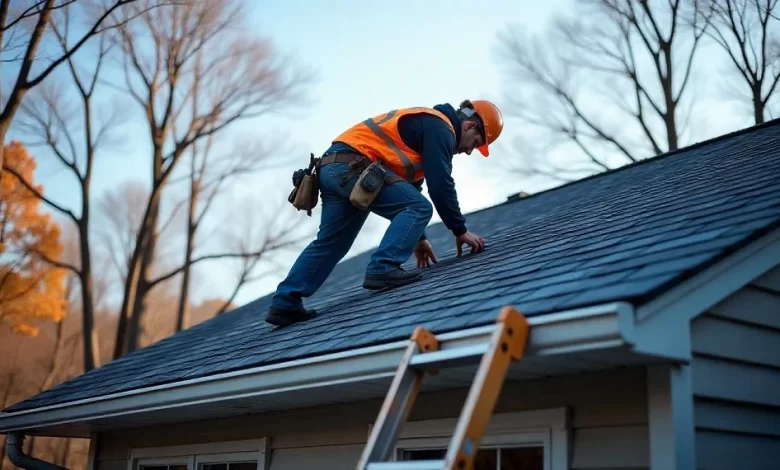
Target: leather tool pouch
x,y
306,191
368,186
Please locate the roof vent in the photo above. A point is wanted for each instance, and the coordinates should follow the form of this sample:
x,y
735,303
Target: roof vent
x,y
517,196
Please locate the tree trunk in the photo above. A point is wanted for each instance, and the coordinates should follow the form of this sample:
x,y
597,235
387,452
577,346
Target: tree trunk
x,y
182,318
758,103
21,86
3,132
671,128
131,284
136,285
135,327
90,336
667,81
128,326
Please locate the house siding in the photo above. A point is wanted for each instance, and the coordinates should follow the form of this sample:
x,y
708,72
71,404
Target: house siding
x,y
608,418
736,379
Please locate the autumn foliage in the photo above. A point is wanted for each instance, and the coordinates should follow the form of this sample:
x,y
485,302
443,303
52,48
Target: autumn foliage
x,y
31,289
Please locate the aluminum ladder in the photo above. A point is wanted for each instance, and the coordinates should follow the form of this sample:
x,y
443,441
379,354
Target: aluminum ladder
x,y
423,355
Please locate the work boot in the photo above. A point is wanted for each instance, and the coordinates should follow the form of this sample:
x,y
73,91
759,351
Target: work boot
x,y
394,278
283,317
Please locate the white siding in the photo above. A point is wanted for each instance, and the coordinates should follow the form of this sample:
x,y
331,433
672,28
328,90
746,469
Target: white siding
x,y
736,379
609,420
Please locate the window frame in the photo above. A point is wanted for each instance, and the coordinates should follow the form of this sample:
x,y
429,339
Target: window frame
x,y
548,428
194,454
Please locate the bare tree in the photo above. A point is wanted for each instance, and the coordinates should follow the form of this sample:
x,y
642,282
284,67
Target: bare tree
x,y
742,29
210,174
251,238
20,44
119,213
48,115
194,72
275,235
638,55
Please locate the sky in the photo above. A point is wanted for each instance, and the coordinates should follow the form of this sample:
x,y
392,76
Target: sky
x,y
364,64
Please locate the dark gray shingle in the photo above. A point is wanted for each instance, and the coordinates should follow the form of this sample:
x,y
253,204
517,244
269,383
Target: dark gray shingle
x,y
622,235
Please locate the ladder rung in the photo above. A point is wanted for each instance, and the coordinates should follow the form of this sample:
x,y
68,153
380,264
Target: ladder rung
x,y
412,465
449,357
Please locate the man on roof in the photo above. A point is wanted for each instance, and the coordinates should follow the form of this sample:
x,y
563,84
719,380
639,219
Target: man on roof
x,y
412,145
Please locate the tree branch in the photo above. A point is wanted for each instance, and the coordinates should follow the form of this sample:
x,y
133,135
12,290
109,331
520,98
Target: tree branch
x,y
199,259
39,195
94,30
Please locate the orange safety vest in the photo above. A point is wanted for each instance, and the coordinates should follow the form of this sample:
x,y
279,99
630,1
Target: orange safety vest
x,y
377,138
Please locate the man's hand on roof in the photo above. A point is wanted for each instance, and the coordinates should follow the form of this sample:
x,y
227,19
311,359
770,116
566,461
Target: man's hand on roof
x,y
476,243
424,254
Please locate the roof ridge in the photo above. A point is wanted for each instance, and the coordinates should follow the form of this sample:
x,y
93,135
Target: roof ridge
x,y
644,161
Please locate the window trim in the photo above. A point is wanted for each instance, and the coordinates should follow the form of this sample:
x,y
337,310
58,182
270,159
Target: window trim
x,y
549,428
193,454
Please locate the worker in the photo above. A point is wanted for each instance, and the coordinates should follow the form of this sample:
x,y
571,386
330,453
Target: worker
x,y
412,145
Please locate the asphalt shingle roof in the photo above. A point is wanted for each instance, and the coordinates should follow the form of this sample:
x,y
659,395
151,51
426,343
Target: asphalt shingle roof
x,y
623,235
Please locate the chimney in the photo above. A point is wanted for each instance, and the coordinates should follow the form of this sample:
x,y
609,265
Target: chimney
x,y
517,197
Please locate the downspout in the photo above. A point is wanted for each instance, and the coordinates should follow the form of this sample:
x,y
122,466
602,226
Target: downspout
x,y
16,455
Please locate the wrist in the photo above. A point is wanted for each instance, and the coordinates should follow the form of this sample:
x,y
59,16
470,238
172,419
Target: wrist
x,y
458,231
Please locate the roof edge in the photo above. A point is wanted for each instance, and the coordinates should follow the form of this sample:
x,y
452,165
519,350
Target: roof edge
x,y
740,265
663,324
591,328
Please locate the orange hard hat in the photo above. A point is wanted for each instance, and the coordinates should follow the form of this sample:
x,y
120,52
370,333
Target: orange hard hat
x,y
492,120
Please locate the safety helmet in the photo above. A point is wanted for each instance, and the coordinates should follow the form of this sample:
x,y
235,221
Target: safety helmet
x,y
492,121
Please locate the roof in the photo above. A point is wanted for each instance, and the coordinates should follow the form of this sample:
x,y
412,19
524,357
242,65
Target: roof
x,y
626,235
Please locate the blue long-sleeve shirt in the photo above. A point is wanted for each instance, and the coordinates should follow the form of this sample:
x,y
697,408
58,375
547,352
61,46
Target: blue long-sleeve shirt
x,y
432,138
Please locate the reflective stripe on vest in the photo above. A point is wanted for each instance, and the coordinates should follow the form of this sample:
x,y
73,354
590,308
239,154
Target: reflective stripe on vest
x,y
378,138
410,167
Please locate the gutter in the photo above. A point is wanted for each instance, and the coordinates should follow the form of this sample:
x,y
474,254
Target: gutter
x,y
598,327
16,455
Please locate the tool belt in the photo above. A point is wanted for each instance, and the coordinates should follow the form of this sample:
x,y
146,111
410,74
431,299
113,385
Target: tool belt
x,y
373,176
357,164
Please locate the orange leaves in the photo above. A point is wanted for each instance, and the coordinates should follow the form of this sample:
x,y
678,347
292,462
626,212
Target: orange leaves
x,y
31,289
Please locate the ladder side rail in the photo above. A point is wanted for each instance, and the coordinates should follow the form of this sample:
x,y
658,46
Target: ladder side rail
x,y
507,344
398,402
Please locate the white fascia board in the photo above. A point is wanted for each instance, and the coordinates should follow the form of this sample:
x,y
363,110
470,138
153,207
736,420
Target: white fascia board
x,y
663,324
604,326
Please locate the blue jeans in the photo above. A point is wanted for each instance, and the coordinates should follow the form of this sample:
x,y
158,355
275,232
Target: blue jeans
x,y
401,203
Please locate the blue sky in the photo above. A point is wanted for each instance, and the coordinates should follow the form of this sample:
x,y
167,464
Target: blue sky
x,y
368,57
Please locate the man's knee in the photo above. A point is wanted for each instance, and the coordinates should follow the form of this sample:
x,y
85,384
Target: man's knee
x,y
424,208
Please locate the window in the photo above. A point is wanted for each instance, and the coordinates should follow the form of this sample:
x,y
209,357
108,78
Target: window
x,y
530,457
154,466
236,455
530,440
